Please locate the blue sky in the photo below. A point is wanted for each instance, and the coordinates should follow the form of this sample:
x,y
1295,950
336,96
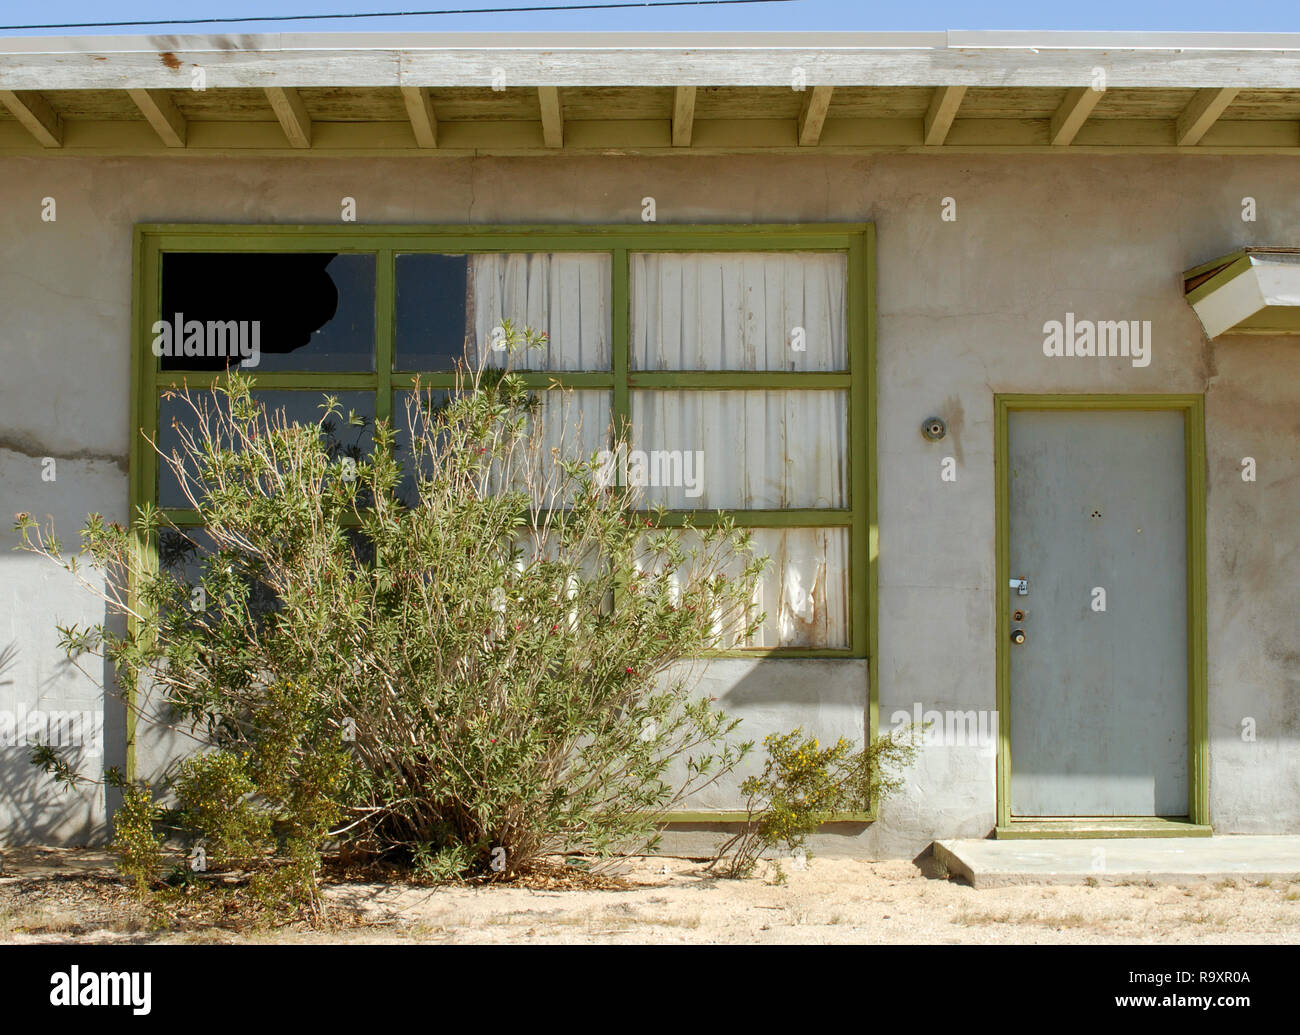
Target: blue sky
x,y
1185,16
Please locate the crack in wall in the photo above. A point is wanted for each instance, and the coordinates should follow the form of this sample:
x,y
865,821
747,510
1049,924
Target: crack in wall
x,y
26,445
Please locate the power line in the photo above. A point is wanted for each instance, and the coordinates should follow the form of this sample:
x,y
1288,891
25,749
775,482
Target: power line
x,y
392,14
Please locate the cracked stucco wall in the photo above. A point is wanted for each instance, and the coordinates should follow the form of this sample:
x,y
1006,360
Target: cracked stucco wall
x,y
960,310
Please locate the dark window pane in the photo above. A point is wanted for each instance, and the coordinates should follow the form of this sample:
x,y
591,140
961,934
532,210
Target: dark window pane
x,y
312,312
430,316
452,307
413,412
183,554
180,552
342,439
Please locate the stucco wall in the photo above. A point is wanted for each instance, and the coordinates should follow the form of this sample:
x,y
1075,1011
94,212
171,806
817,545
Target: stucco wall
x,y
960,312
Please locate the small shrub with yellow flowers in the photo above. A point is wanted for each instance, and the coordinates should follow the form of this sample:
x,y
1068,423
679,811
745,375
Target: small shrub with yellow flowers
x,y
803,785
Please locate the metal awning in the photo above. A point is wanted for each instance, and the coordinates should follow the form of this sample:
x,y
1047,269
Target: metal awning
x,y
1251,291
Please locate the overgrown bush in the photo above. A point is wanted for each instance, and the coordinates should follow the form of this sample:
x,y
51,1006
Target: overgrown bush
x,y
461,649
803,785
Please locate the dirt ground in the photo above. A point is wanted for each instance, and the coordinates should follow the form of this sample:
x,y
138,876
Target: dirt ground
x,y
61,896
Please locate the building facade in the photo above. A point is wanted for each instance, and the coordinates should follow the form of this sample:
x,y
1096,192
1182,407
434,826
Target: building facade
x,y
914,308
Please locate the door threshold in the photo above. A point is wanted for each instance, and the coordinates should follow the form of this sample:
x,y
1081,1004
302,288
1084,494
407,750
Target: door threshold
x,y
1102,826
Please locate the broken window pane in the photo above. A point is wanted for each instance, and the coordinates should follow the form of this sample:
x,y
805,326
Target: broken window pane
x,y
266,311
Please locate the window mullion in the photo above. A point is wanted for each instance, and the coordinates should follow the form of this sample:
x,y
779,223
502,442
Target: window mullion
x,y
385,302
861,489
620,406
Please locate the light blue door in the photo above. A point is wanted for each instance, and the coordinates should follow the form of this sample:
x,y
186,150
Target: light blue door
x,y
1098,688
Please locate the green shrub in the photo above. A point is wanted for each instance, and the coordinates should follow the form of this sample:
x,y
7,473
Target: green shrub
x,y
803,785
136,842
465,671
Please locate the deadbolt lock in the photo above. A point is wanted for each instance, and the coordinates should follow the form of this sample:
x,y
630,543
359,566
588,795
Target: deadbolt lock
x,y
1017,616
1018,636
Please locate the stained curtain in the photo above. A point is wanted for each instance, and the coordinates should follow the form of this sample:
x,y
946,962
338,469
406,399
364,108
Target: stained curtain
x,y
738,311
748,449
754,449
566,295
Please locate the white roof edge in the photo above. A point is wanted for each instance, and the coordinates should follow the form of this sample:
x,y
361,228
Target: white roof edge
x,y
1071,40
675,41
891,59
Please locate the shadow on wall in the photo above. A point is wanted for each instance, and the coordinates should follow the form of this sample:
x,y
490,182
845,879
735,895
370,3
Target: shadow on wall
x,y
34,807
799,686
826,697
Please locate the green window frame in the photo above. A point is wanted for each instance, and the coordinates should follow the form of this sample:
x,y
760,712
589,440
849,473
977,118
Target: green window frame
x,y
856,240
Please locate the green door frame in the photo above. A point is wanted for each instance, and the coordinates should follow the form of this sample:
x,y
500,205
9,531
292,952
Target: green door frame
x,y
1197,822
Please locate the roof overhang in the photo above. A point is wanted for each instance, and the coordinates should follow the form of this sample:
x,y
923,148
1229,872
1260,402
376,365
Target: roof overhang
x,y
993,59
1252,291
507,93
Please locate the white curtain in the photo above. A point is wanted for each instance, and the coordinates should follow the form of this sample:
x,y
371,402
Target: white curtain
x,y
805,589
705,450
564,294
569,425
573,425
739,311
803,592
751,450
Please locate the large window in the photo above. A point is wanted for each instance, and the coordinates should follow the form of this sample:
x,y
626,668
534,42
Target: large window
x,y
737,359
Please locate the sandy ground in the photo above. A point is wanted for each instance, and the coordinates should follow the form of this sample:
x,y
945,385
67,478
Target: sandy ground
x,y
59,897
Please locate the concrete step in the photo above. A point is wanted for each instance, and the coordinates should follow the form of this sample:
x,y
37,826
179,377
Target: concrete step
x,y
1169,860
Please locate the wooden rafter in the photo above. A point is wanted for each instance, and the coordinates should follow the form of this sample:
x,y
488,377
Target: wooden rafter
x,y
162,114
292,113
31,109
90,122
419,109
1072,114
683,115
943,109
548,97
813,115
1200,114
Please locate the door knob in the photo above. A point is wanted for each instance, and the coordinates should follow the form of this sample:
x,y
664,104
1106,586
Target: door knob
x,y
1017,636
